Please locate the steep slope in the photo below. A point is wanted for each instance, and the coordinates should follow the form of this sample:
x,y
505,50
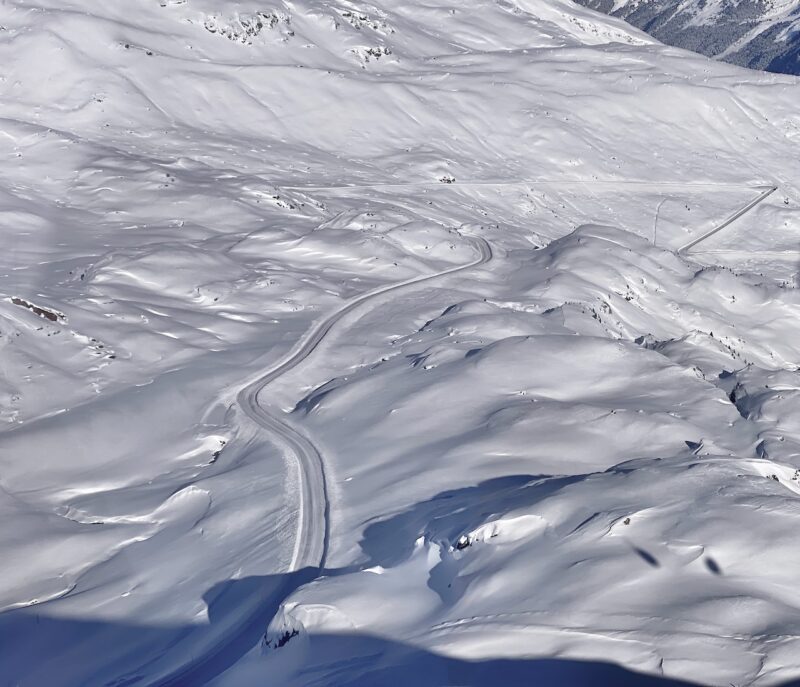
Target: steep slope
x,y
760,34
192,189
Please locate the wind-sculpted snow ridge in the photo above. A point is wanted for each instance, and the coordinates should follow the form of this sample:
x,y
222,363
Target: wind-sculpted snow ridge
x,y
271,415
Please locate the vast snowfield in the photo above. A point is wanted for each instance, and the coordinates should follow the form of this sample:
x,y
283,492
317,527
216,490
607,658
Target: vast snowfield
x,y
380,344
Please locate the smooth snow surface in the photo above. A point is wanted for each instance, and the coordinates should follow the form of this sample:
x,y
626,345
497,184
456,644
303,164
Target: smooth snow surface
x,y
375,344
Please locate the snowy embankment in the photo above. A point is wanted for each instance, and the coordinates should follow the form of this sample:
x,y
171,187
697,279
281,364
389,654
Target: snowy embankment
x,y
572,463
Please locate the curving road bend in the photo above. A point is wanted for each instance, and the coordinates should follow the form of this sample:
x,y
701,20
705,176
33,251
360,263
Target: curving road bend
x,y
311,544
311,541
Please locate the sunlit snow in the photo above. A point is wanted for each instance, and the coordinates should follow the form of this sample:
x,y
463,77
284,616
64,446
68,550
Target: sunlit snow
x,y
423,343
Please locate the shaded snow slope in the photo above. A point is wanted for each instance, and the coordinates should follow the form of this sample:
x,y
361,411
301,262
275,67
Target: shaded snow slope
x,y
571,462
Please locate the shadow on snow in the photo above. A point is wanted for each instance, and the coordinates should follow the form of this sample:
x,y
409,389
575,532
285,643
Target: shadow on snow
x,y
40,649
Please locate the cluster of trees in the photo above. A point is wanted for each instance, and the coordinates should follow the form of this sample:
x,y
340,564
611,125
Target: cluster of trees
x,y
776,48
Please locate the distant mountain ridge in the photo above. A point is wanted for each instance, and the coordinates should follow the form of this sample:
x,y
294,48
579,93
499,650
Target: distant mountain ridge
x,y
760,34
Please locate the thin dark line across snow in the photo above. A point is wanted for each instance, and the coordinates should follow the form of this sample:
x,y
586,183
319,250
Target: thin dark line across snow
x,y
500,184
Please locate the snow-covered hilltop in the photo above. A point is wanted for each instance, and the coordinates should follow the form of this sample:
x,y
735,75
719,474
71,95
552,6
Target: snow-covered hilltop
x,y
760,34
354,344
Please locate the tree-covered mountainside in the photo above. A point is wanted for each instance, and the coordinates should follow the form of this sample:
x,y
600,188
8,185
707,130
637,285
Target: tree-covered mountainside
x,y
760,34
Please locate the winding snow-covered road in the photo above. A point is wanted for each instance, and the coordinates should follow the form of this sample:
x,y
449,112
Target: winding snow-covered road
x,y
311,544
736,215
312,531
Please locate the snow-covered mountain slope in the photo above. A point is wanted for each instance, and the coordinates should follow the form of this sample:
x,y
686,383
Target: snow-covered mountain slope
x,y
760,34
350,344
